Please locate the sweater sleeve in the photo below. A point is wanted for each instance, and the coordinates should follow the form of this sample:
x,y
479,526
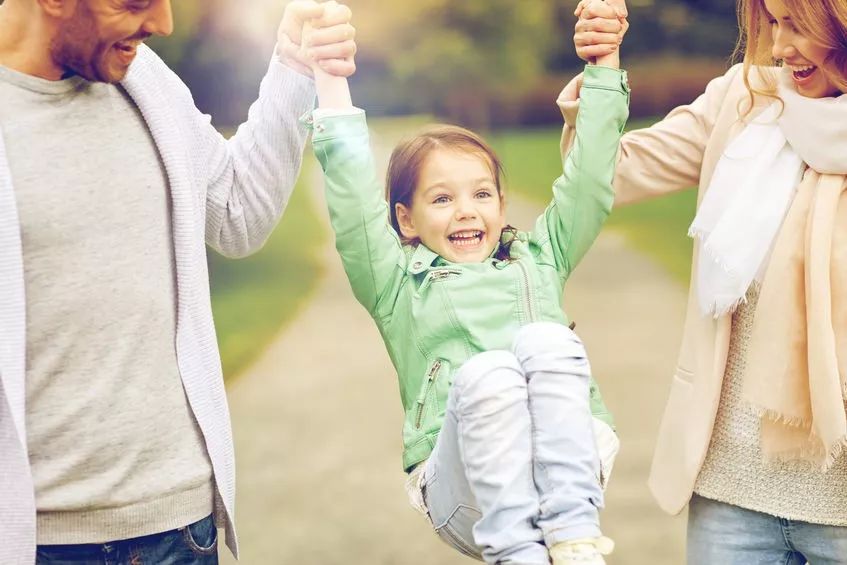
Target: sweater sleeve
x,y
248,178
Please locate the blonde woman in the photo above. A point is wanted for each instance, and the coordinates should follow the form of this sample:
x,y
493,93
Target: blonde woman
x,y
755,425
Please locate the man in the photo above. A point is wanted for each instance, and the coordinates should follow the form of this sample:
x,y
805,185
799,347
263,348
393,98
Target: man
x,y
115,440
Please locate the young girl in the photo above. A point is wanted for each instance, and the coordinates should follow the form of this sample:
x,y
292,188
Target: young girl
x,y
755,427
498,430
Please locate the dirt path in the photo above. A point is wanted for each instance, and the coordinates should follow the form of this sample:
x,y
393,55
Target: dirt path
x,y
317,422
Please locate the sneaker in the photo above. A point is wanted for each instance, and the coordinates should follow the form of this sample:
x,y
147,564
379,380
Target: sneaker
x,y
586,551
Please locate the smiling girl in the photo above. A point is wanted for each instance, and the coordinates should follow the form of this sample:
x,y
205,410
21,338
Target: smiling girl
x,y
498,436
754,431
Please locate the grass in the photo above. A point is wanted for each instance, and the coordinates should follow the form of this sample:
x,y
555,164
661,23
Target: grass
x,y
253,298
656,227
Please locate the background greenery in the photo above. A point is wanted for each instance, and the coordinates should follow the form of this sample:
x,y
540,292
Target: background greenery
x,y
253,297
482,63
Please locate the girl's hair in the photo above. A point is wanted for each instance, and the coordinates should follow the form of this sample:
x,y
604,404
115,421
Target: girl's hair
x,y
408,158
822,21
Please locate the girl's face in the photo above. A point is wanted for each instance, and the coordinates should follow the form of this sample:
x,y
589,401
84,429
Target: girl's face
x,y
799,53
456,210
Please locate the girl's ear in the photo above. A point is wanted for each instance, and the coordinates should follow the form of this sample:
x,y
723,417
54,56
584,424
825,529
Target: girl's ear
x,y
404,220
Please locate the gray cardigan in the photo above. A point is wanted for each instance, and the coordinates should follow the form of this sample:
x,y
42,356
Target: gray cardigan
x,y
227,194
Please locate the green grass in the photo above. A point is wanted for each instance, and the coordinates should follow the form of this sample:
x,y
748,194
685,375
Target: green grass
x,y
253,298
656,227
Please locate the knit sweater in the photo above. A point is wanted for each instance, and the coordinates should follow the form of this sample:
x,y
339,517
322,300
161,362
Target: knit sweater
x,y
734,471
229,194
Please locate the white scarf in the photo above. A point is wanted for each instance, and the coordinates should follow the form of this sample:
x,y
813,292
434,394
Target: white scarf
x,y
753,186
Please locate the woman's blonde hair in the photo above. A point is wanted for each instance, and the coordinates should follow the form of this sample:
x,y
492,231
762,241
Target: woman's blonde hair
x,y
822,21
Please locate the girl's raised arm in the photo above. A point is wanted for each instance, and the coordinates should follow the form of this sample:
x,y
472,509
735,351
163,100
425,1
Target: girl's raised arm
x,y
371,252
583,196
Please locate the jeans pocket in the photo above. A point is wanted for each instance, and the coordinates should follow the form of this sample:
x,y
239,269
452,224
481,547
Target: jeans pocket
x,y
201,537
457,530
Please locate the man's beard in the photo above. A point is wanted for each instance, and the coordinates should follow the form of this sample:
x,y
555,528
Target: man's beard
x,y
77,50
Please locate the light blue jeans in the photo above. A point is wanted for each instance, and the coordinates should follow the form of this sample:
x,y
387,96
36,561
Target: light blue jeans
x,y
730,535
515,468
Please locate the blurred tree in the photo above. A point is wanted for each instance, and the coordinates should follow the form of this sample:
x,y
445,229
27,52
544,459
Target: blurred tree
x,y
215,52
454,58
470,61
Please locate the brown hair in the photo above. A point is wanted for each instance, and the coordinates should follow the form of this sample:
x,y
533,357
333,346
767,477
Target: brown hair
x,y
409,156
822,21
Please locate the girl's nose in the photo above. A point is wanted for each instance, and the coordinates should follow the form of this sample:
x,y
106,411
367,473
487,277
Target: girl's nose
x,y
465,211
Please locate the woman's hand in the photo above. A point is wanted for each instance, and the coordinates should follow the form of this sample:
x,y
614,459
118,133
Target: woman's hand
x,y
600,30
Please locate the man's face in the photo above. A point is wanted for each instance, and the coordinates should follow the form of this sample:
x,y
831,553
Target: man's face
x,y
100,39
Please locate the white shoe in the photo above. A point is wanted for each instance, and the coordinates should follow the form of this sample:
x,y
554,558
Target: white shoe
x,y
585,551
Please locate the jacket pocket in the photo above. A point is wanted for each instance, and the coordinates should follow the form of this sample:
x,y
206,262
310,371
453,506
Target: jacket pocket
x,y
427,396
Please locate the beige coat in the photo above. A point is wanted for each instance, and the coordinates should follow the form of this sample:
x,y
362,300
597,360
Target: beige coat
x,y
679,152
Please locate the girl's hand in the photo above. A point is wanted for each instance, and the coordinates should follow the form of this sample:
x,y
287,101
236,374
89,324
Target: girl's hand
x,y
330,45
600,30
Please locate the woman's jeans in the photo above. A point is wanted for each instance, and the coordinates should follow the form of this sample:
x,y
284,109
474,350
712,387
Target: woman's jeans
x,y
196,544
730,535
515,468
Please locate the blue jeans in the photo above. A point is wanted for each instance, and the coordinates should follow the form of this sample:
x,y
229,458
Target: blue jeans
x,y
729,535
196,544
515,468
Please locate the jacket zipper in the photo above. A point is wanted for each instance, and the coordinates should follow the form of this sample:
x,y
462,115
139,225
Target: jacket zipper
x,y
430,378
439,275
527,292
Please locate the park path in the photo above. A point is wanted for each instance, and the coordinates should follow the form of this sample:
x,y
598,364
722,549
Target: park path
x,y
317,421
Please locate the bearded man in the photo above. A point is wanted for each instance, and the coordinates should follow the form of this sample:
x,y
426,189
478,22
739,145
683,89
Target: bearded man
x,y
115,439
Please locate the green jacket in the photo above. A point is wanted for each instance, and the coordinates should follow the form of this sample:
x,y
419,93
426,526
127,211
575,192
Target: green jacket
x,y
434,315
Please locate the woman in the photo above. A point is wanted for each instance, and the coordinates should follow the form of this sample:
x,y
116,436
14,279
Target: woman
x,y
753,431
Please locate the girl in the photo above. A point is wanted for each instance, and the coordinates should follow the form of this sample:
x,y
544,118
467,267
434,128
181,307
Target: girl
x,y
498,431
755,425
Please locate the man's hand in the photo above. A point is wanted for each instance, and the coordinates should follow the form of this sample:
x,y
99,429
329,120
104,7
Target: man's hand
x,y
331,43
600,30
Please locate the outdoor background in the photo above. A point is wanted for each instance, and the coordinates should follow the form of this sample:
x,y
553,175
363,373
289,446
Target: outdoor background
x,y
314,400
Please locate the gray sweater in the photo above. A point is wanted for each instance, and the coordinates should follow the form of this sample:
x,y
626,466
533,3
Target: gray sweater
x,y
228,194
114,449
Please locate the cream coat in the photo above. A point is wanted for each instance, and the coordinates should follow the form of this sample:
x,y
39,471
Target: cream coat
x,y
679,152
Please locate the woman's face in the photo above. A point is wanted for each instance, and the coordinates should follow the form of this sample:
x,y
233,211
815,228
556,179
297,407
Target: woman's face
x,y
799,53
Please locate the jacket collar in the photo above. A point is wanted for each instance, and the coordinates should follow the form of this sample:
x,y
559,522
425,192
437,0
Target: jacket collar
x,y
422,259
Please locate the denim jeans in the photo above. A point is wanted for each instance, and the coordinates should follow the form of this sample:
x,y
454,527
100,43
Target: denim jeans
x,y
196,544
730,535
516,468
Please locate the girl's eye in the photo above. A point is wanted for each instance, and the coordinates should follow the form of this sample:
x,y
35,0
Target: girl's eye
x,y
441,200
483,194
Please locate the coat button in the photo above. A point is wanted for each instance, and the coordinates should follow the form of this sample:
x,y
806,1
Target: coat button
x,y
417,265
320,128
